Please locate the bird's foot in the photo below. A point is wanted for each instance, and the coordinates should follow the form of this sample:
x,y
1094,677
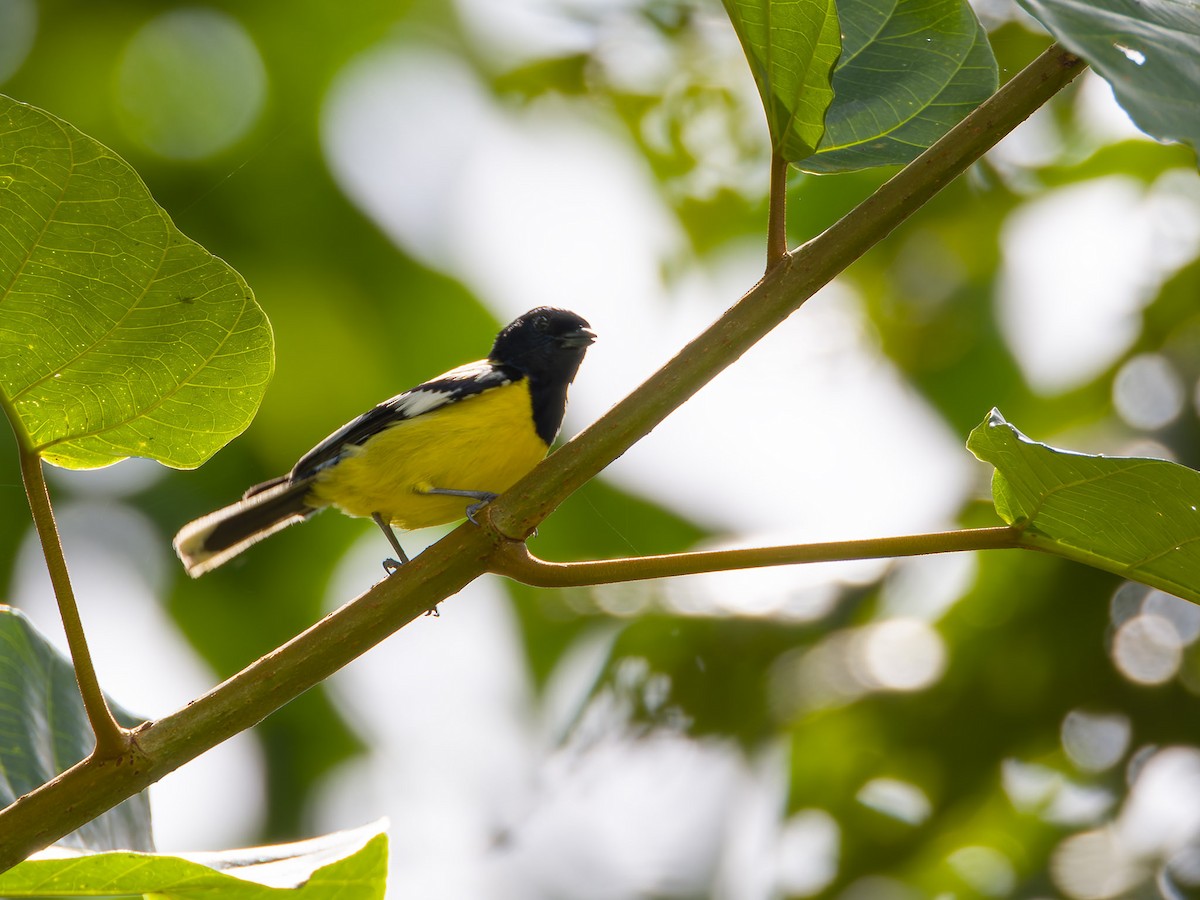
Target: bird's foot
x,y
477,506
481,498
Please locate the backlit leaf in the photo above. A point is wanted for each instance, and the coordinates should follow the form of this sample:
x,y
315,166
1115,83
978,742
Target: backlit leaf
x,y
119,336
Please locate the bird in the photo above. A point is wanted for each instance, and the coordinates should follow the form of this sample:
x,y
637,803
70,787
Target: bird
x,y
428,456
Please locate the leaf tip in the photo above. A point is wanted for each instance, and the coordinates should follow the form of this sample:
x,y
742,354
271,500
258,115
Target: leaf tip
x,y
978,441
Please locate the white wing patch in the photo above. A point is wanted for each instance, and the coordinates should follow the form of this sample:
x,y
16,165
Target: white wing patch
x,y
417,402
445,389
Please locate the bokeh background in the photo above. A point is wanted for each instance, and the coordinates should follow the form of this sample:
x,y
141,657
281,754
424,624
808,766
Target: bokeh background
x,y
396,180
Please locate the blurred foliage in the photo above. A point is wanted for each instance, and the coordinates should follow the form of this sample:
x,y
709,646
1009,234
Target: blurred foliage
x,y
1028,642
44,730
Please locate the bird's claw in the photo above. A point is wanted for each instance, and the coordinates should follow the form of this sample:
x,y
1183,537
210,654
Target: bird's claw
x,y
476,507
392,566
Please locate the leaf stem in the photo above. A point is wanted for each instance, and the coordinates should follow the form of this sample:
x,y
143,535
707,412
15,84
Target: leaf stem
x,y
514,560
777,211
112,740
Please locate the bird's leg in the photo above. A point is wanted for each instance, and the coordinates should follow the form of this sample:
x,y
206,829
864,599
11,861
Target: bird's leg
x,y
390,566
481,498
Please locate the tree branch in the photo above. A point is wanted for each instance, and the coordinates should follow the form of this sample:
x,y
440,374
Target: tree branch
x,y
92,786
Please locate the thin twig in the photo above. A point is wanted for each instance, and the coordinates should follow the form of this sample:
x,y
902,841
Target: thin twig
x,y
515,561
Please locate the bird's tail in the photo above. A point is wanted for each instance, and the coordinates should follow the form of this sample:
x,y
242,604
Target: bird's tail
x,y
218,537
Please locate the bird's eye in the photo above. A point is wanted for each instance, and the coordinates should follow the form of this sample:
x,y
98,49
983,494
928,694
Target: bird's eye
x,y
541,323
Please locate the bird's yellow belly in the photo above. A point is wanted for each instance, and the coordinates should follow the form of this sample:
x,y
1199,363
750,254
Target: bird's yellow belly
x,y
482,443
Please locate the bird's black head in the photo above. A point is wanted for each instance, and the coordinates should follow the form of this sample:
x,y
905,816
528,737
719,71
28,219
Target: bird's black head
x,y
546,345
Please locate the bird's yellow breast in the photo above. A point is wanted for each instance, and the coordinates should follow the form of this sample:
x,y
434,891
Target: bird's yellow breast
x,y
481,443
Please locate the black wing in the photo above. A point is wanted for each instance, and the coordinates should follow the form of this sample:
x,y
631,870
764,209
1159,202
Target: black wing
x,y
457,384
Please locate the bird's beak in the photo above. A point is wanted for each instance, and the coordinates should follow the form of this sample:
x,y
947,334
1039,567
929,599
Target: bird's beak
x,y
580,337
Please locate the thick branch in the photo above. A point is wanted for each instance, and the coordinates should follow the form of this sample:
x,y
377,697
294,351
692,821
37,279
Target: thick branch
x,y
515,561
93,786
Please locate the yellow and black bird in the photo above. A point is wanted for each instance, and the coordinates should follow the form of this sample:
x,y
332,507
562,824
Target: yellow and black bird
x,y
413,460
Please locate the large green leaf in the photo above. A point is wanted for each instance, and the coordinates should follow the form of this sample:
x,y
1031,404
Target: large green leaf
x,y
119,336
348,865
1148,50
910,70
791,46
1139,518
44,730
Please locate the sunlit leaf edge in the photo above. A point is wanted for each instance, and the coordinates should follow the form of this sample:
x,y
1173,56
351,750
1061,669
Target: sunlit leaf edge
x,y
1134,517
44,730
349,865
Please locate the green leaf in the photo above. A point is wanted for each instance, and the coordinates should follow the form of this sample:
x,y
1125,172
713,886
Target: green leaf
x,y
44,730
910,70
791,46
1138,518
349,865
119,336
1147,50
